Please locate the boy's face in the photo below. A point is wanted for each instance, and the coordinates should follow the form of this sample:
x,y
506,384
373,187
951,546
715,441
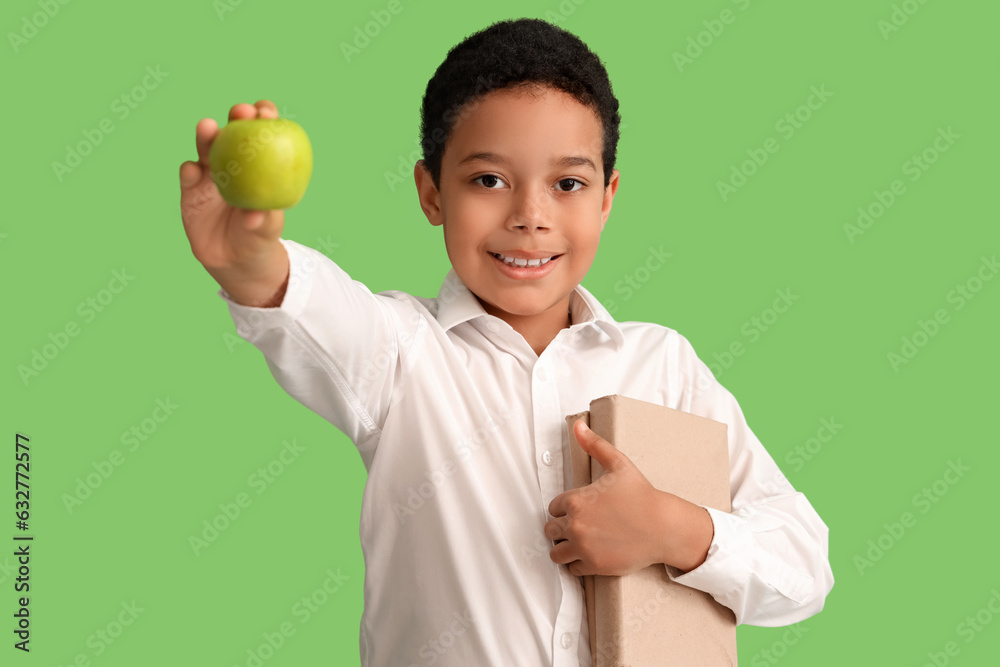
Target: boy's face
x,y
508,186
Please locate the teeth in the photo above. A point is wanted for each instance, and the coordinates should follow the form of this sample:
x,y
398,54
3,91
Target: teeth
x,y
513,261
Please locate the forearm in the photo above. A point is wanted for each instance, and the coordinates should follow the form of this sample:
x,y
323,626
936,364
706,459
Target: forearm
x,y
768,562
687,532
263,287
769,557
354,392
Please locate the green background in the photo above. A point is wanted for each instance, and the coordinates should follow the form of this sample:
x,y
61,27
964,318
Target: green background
x,y
168,335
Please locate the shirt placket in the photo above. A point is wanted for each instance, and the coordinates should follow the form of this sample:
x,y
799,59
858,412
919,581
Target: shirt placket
x,y
549,460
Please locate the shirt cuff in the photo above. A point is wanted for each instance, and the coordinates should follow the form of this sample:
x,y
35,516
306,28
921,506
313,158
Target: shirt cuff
x,y
724,572
251,320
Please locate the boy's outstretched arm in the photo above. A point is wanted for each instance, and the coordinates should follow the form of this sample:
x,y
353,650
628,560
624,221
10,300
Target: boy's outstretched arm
x,y
240,248
284,297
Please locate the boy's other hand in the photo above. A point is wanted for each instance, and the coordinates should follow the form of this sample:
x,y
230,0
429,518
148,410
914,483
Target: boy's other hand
x,y
620,523
240,248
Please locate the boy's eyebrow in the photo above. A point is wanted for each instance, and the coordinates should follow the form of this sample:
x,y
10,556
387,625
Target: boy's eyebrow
x,y
496,158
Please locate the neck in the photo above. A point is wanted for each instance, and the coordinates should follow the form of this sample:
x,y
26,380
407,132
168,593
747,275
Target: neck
x,y
537,330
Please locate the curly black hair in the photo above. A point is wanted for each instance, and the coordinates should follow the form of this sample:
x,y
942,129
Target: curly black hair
x,y
515,53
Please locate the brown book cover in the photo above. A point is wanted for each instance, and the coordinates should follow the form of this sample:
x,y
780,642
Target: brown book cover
x,y
645,618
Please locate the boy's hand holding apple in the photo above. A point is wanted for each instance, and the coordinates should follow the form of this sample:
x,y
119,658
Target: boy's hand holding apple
x,y
260,168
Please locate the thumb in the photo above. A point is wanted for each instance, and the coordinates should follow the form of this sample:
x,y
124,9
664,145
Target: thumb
x,y
600,449
266,223
190,174
253,218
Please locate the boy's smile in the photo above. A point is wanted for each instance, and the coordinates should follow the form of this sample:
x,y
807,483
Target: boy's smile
x,y
522,202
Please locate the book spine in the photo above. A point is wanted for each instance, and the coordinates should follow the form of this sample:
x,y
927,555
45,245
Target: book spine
x,y
580,461
610,645
608,590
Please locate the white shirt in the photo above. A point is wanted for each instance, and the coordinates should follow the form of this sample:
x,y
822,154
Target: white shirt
x,y
462,429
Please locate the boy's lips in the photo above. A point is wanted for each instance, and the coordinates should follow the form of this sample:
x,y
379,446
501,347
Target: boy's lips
x,y
522,272
523,254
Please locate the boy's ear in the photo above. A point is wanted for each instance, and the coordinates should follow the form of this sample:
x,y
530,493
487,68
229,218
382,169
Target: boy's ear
x,y
430,198
609,195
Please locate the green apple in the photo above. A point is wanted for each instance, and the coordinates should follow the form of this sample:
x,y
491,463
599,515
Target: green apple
x,y
261,163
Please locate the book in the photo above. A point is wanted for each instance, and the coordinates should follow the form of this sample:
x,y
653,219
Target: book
x,y
645,618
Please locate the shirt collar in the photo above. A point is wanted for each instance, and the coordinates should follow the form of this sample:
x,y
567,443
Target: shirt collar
x,y
456,304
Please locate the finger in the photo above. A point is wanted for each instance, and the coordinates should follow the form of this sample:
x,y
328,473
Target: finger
x,y
253,219
600,449
197,190
242,111
562,553
205,133
583,431
266,109
557,505
266,224
553,529
190,173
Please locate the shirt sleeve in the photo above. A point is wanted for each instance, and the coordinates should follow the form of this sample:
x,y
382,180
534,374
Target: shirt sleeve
x,y
769,558
332,344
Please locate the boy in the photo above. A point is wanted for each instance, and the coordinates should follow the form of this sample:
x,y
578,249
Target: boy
x,y
473,546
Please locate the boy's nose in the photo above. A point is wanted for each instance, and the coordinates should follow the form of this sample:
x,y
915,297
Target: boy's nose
x,y
529,213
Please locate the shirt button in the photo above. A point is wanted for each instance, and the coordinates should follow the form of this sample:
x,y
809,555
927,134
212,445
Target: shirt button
x,y
566,640
547,457
492,326
542,375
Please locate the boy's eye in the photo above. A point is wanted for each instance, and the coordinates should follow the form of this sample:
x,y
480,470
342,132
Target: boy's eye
x,y
570,181
490,181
